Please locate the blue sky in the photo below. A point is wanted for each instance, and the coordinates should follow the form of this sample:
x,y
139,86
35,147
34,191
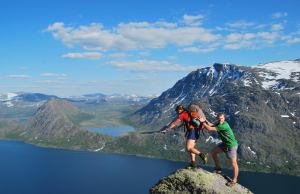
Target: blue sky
x,y
138,47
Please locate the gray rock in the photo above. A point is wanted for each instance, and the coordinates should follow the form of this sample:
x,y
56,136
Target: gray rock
x,y
196,181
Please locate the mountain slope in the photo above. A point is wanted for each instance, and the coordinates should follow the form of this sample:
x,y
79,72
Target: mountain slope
x,y
54,124
262,104
53,119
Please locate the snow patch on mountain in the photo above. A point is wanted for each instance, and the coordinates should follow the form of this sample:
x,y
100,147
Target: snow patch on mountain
x,y
213,140
285,116
247,82
6,99
279,70
249,148
218,73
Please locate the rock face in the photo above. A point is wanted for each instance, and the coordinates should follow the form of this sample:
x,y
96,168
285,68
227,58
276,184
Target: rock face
x,y
196,181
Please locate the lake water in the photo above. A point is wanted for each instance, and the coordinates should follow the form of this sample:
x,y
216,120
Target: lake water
x,y
113,131
27,169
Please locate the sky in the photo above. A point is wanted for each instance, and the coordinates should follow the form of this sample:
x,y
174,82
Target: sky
x,y
71,48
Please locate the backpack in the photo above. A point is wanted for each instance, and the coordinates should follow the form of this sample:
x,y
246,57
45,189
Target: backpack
x,y
195,112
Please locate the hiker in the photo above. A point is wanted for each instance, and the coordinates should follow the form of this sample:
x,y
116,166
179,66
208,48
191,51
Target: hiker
x,y
192,135
229,145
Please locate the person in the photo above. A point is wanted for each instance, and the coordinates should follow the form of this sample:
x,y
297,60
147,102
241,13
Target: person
x,y
229,145
192,135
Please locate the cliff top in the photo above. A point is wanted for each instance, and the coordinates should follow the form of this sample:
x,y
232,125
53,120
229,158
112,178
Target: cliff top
x,y
196,181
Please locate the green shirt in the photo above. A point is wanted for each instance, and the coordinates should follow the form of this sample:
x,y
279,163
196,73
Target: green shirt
x,y
226,134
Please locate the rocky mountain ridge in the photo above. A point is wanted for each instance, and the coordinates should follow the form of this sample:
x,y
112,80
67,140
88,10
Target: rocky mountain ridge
x,y
23,99
261,103
54,124
53,119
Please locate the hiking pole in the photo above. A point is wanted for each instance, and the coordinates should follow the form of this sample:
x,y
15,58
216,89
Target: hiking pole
x,y
152,132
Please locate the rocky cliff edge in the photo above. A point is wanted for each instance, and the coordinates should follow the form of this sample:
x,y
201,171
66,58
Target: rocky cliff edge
x,y
196,181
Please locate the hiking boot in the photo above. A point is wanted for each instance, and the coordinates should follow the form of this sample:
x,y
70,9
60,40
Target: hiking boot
x,y
218,170
204,158
192,165
230,183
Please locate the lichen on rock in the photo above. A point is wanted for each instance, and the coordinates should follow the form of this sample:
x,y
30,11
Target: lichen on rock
x,y
196,181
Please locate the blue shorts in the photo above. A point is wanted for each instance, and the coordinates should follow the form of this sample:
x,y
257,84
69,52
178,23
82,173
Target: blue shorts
x,y
193,134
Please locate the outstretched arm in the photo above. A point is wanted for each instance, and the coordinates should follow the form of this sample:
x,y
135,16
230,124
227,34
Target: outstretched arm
x,y
171,126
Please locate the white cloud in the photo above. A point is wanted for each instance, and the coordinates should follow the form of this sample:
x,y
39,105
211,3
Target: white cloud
x,y
240,24
193,20
153,37
293,40
261,26
257,40
86,55
19,76
186,35
150,66
277,27
47,82
197,50
269,37
238,45
278,15
147,24
236,37
130,36
118,55
54,75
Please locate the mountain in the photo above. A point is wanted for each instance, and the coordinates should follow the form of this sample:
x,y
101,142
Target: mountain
x,y
132,99
53,119
98,98
261,104
195,181
24,99
55,124
34,97
89,98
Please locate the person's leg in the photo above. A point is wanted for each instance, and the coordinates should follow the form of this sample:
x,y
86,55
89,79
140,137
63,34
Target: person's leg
x,y
232,155
214,153
190,146
235,168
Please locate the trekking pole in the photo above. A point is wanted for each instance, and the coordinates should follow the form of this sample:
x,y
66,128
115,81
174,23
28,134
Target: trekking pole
x,y
152,132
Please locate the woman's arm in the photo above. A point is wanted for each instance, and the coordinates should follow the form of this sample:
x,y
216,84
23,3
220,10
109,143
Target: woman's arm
x,y
171,126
